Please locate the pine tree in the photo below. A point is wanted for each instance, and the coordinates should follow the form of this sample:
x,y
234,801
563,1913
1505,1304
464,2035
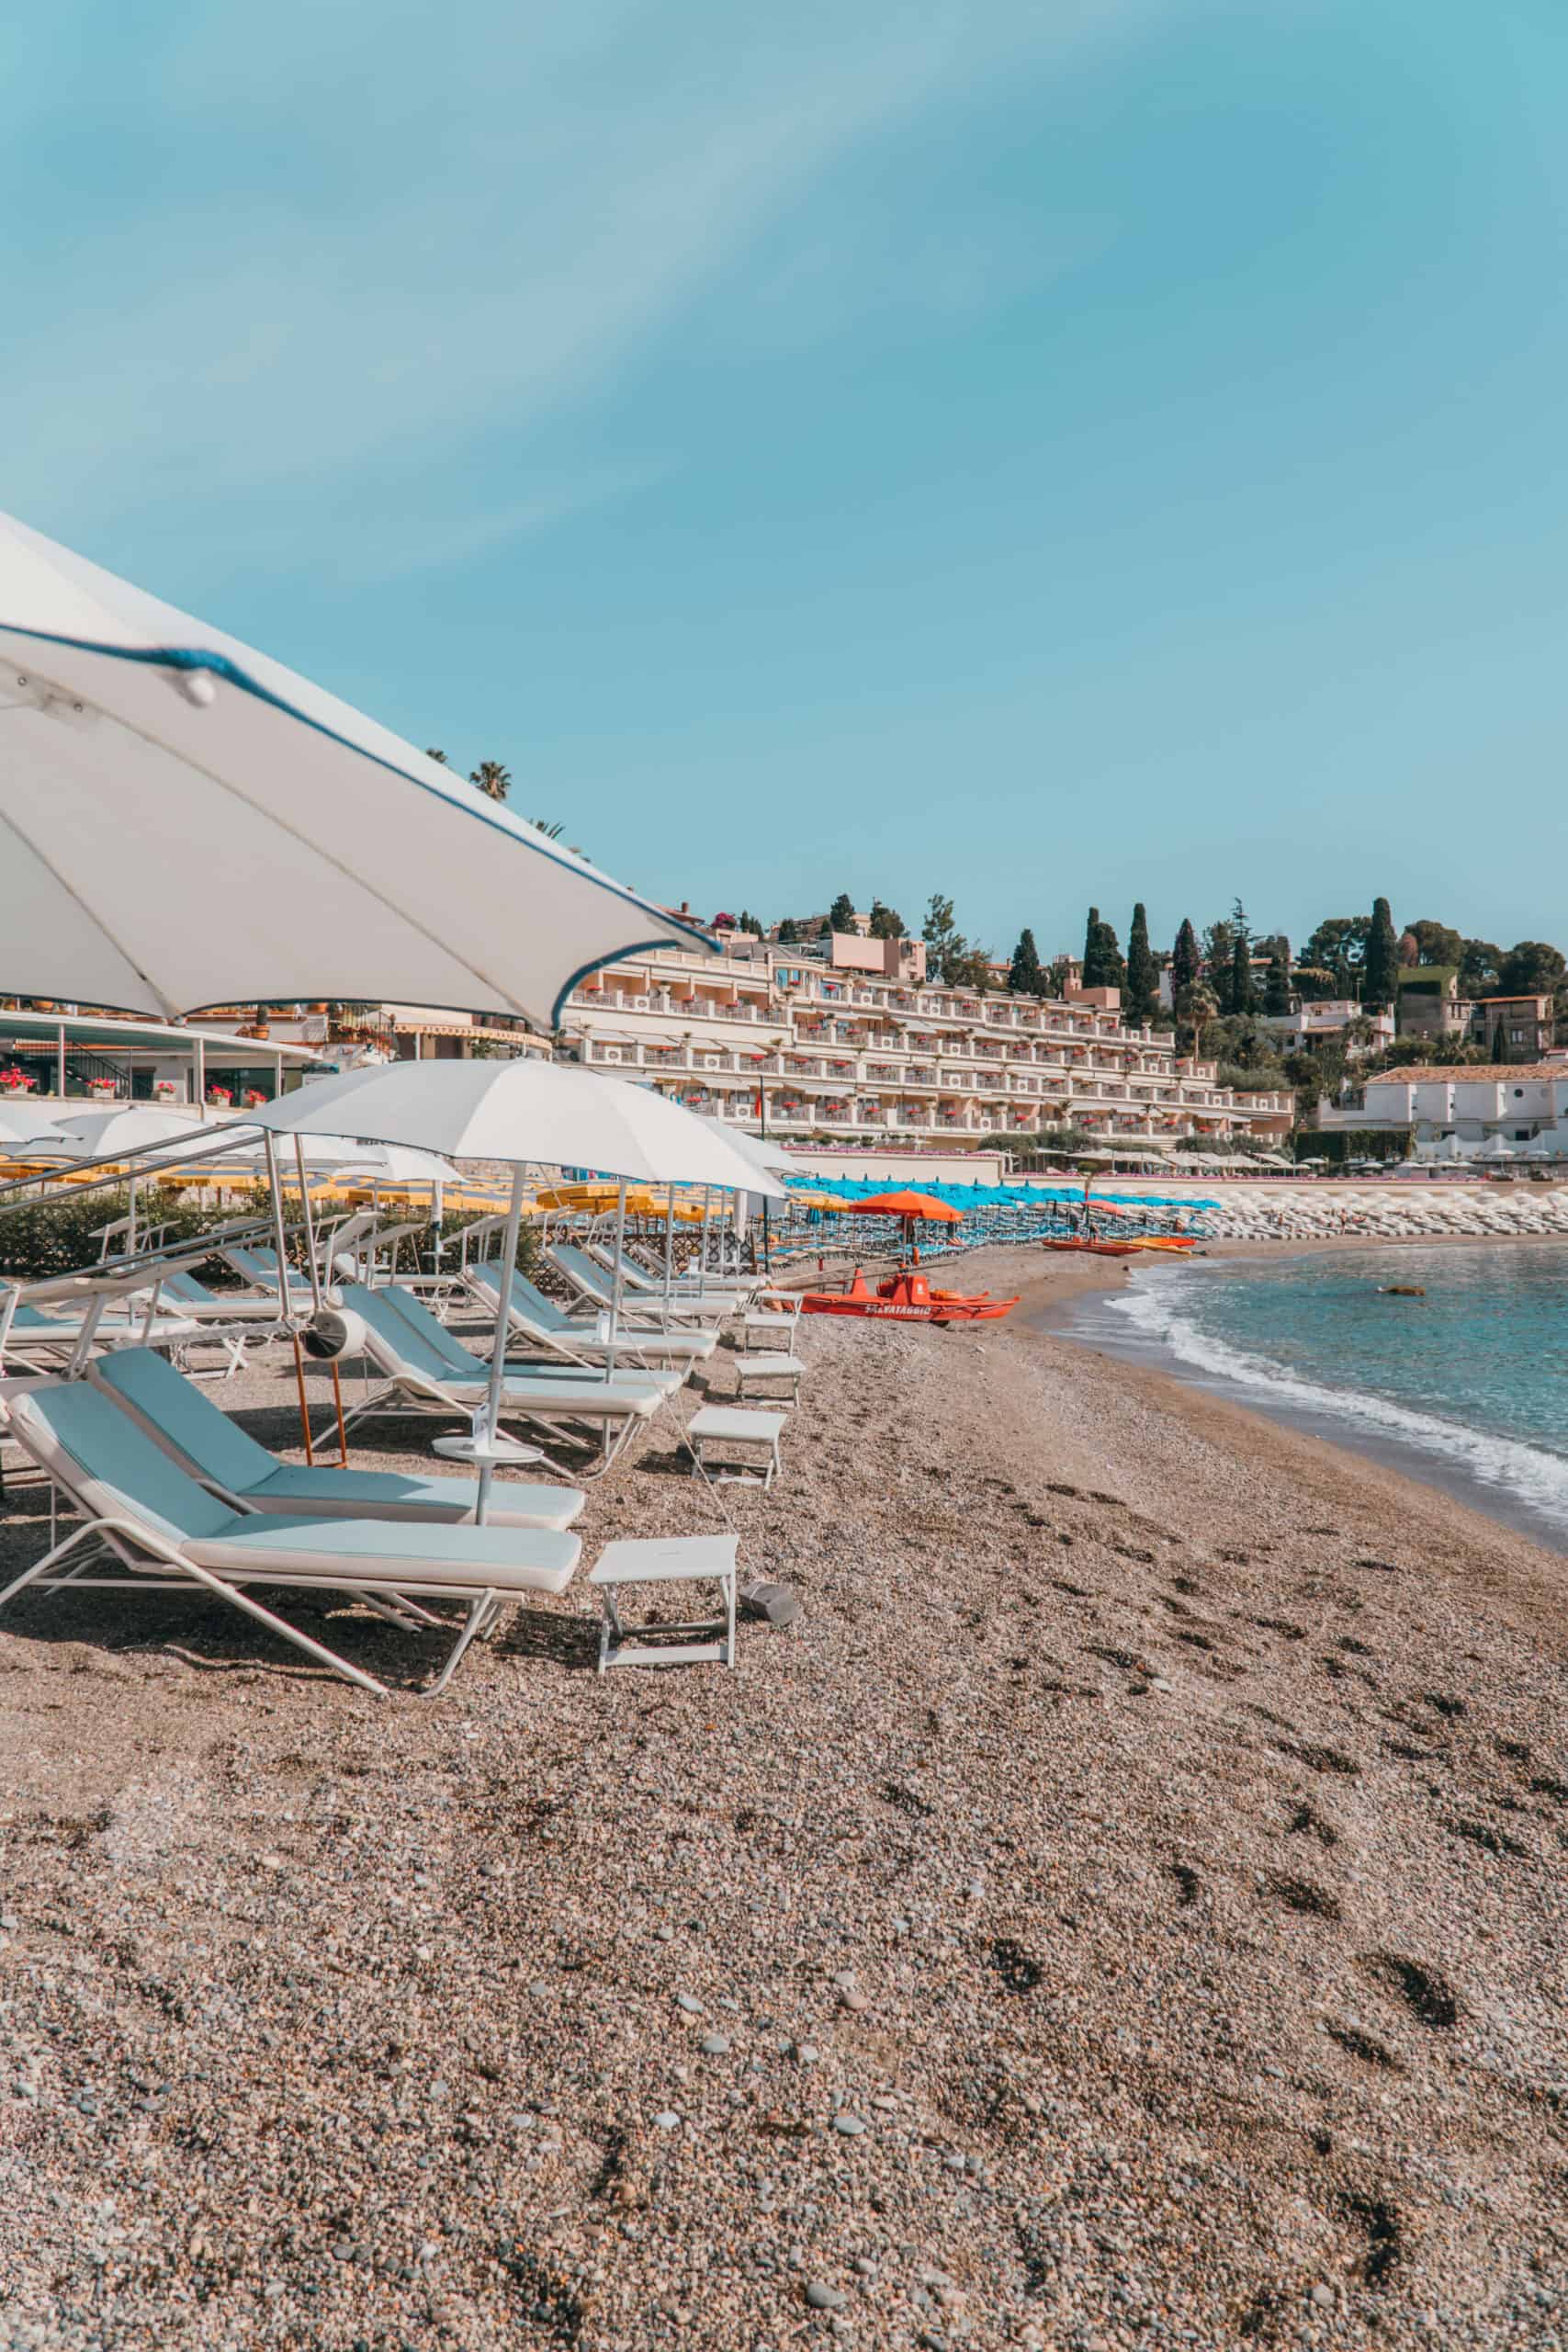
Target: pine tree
x,y
1092,951
842,913
1138,1003
1277,987
1025,977
1242,998
887,922
1379,969
789,933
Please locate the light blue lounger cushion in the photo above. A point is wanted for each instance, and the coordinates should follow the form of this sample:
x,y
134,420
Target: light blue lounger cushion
x,y
118,1458
405,1320
546,1315
218,1448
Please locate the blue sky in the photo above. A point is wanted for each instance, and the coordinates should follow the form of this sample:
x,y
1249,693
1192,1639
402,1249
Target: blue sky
x,y
1087,449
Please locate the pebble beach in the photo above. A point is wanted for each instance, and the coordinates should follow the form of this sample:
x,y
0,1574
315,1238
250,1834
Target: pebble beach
x,y
1126,1908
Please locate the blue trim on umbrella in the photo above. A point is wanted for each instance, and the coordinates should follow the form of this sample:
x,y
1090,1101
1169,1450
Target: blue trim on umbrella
x,y
193,658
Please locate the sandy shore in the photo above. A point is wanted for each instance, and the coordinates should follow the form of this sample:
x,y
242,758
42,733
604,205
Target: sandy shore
x,y
1126,1908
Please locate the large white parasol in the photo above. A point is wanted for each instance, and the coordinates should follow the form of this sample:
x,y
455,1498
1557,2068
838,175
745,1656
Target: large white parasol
x,y
521,1112
184,822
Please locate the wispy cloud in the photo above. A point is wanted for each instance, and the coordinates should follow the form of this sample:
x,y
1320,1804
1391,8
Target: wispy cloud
x,y
327,266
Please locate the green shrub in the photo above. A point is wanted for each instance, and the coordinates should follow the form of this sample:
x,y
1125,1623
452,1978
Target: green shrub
x,y
56,1237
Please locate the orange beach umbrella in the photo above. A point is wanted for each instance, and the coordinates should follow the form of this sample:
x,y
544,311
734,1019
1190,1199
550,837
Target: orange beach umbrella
x,y
920,1205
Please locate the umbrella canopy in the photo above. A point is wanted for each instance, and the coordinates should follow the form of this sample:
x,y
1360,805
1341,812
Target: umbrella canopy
x,y
756,1149
920,1205
107,1135
18,1125
521,1110
153,764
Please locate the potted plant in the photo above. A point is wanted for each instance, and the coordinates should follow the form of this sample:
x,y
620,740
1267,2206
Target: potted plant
x,y
102,1090
15,1081
164,1091
219,1097
253,1098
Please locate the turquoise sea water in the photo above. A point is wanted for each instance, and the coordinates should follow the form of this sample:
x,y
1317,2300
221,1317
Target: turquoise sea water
x,y
1469,1384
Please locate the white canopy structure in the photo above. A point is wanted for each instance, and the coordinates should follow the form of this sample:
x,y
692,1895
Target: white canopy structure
x,y
184,822
523,1110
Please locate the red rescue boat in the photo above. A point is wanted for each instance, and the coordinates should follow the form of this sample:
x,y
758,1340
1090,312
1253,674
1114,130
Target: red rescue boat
x,y
906,1298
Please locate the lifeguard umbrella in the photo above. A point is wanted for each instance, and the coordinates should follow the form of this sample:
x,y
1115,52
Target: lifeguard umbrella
x,y
906,1204
184,822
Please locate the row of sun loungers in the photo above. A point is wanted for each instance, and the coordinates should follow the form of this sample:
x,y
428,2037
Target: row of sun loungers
x,y
174,1493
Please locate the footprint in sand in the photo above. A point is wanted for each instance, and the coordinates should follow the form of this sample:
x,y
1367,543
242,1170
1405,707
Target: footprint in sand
x,y
1423,1991
1300,1894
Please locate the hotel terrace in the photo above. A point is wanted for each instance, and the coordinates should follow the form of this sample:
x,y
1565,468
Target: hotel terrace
x,y
855,1056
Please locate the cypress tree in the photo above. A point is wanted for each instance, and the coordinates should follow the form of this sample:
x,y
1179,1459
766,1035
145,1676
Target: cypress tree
x,y
1242,999
1025,977
1184,959
1112,970
1499,1041
1092,951
1379,966
1138,1003
1277,987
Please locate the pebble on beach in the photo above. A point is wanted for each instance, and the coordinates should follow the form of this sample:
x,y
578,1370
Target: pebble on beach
x,y
1125,1909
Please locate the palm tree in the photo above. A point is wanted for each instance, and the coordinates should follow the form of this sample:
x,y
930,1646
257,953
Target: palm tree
x,y
493,780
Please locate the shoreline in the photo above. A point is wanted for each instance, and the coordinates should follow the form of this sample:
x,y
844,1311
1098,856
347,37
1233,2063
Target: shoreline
x,y
1092,1919
1067,1315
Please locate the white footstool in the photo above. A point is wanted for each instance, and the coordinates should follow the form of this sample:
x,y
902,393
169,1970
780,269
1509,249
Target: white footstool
x,y
666,1559
729,1427
758,1371
760,1327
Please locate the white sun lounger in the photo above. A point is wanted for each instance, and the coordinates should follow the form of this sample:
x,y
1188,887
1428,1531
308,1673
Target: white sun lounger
x,y
163,1532
32,1337
204,1442
647,1281
429,1375
259,1268
539,1319
591,1282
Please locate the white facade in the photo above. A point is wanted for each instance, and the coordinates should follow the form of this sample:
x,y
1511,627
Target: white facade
x,y
1313,1025
1498,1109
864,1059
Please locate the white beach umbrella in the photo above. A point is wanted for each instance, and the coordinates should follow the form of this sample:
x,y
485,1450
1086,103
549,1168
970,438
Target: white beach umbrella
x,y
116,1132
184,822
756,1149
19,1124
521,1112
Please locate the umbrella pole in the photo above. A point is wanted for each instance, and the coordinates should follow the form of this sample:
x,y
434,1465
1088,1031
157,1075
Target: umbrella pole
x,y
669,1244
308,1215
498,1360
280,1244
616,1279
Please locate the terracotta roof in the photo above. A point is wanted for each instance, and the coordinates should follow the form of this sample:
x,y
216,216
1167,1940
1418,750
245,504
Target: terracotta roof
x,y
1460,1073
